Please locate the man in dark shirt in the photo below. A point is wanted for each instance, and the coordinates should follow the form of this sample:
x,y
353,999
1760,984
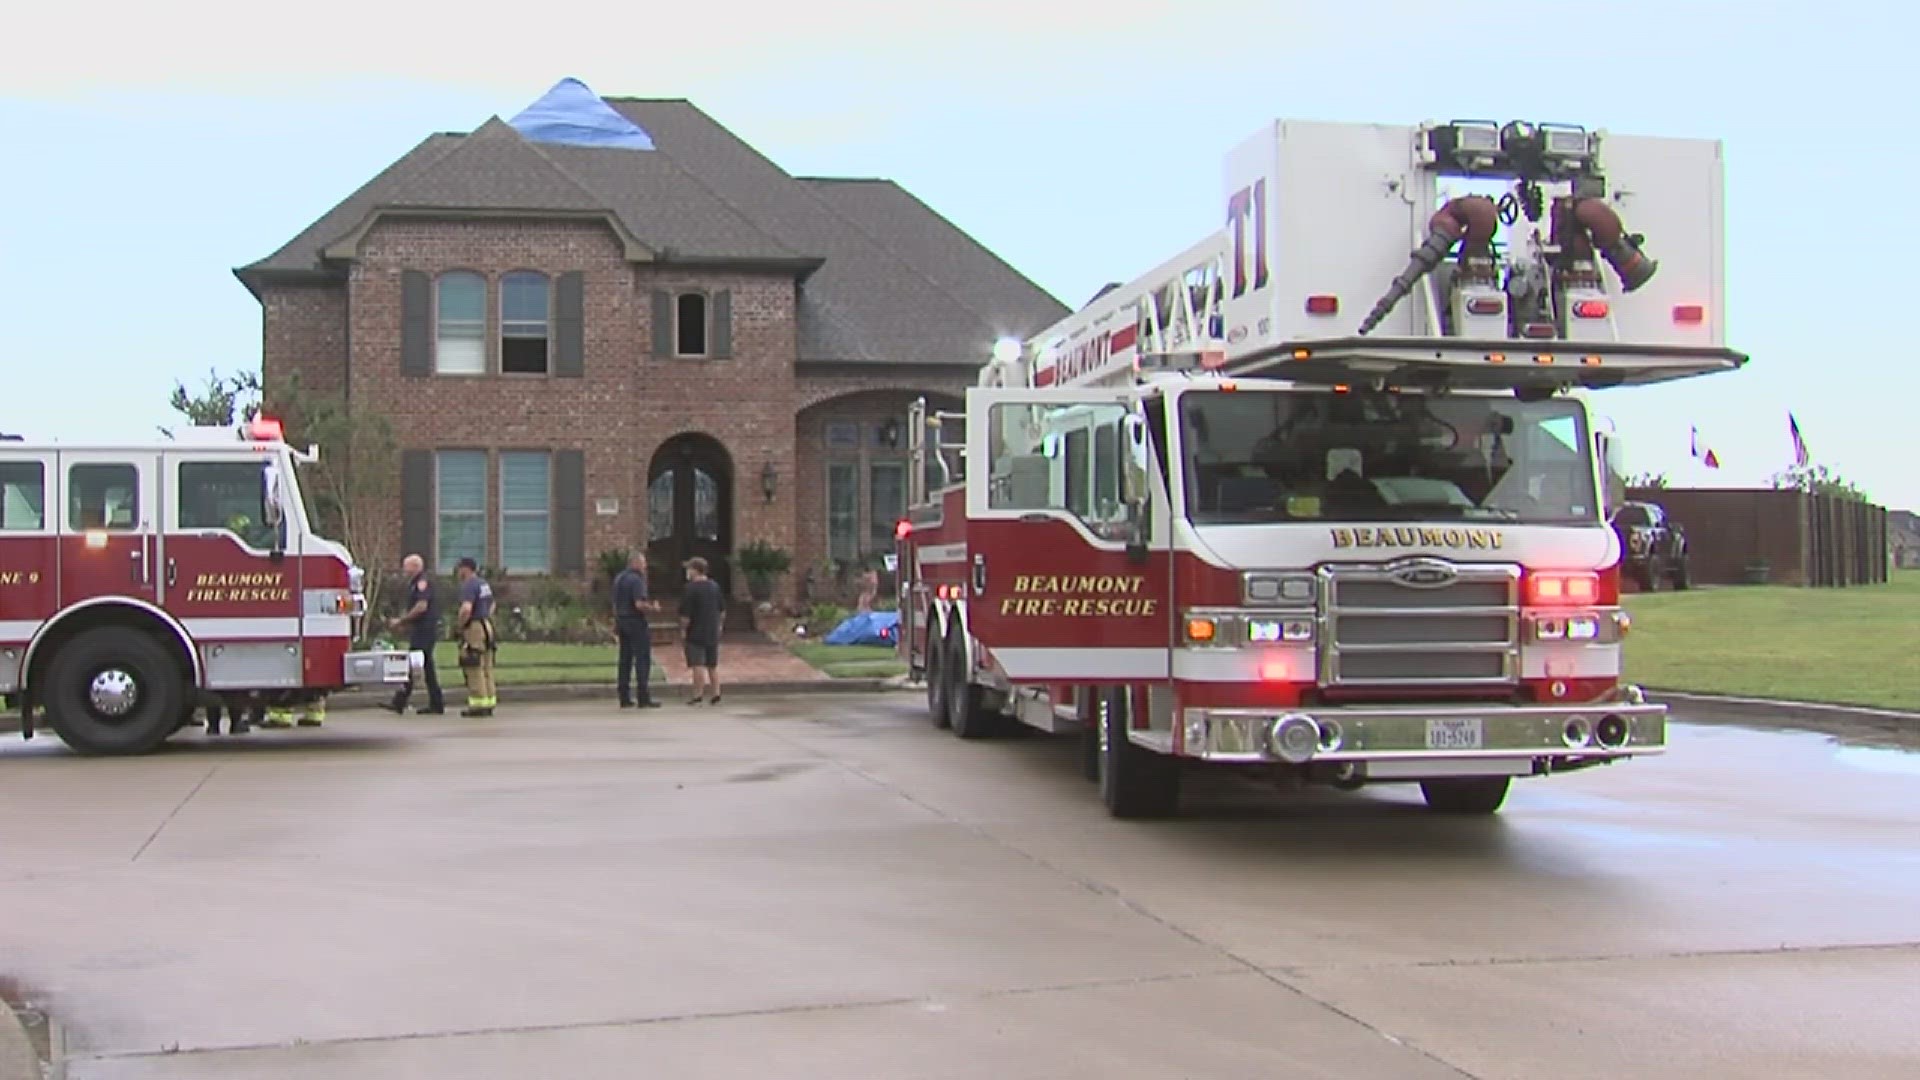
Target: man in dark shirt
x,y
701,613
630,607
421,621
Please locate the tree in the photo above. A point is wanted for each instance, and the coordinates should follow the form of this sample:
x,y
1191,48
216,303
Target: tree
x,y
349,491
217,402
1818,480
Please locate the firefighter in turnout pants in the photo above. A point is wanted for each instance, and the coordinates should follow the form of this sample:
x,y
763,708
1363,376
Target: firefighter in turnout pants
x,y
477,643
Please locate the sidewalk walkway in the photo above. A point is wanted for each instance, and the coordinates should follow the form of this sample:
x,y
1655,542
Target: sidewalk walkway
x,y
742,662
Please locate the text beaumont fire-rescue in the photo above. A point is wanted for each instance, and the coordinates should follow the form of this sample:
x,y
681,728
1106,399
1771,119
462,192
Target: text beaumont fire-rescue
x,y
1068,594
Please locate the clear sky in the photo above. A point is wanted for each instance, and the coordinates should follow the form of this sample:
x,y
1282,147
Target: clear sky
x,y
147,153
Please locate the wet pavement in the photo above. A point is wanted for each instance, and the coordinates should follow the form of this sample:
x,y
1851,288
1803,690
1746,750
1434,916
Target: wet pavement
x,y
825,886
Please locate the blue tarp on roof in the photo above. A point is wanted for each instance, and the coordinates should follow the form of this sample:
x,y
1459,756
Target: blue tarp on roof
x,y
572,115
866,628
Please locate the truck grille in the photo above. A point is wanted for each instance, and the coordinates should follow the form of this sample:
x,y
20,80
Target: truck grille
x,y
1420,622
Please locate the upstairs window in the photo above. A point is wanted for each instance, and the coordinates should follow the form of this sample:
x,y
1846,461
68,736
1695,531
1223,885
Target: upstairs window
x,y
460,324
690,324
525,303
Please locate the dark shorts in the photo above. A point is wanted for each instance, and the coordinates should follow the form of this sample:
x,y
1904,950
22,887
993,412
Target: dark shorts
x,y
699,655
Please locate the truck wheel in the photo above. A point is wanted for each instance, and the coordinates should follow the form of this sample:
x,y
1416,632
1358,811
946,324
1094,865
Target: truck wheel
x,y
1090,714
936,685
1683,574
1466,794
1134,782
967,713
113,690
1650,572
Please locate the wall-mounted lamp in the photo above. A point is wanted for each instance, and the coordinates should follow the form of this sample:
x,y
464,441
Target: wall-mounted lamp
x,y
769,480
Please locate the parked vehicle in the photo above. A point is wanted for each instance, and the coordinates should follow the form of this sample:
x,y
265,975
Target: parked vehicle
x,y
1655,546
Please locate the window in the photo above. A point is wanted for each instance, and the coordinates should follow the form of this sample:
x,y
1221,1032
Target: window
x,y
460,493
23,496
460,324
1055,457
886,502
690,324
229,495
526,519
103,497
525,300
843,510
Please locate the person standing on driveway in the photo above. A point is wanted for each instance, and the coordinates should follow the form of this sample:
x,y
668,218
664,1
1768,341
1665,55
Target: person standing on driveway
x,y
701,613
421,621
477,642
630,607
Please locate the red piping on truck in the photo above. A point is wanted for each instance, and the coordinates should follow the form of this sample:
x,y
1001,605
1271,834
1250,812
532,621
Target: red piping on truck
x,y
1609,234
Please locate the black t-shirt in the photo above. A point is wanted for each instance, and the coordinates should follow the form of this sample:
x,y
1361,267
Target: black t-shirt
x,y
629,588
426,627
700,605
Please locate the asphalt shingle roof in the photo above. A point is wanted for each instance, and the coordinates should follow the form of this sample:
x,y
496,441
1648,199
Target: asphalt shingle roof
x,y
899,284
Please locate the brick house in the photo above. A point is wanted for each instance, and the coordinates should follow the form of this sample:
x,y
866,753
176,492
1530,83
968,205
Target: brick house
x,y
657,338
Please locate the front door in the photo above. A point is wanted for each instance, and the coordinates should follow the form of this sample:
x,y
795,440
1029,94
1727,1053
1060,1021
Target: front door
x,y
1051,590
689,512
220,575
109,540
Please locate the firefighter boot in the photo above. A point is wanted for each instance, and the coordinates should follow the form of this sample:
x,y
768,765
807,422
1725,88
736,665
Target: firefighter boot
x,y
315,714
278,716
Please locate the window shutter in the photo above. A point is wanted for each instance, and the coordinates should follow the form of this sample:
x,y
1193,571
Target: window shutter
x,y
570,512
416,504
662,323
721,313
416,319
569,325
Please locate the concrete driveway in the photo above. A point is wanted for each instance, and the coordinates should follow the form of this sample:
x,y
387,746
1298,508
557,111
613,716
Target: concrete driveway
x,y
826,886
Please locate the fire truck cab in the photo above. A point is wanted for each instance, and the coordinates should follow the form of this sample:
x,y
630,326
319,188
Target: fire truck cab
x,y
1299,504
137,579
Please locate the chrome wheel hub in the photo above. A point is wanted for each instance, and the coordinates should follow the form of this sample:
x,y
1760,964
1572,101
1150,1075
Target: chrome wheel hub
x,y
113,693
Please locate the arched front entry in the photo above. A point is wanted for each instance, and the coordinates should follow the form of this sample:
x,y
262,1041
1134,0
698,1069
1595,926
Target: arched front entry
x,y
689,511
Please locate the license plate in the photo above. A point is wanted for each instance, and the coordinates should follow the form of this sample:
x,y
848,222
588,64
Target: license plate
x,y
1453,734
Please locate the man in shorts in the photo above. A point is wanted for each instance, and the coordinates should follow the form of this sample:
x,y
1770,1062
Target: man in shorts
x,y
702,609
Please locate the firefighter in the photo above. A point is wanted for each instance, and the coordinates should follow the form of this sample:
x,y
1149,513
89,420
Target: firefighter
x,y
477,643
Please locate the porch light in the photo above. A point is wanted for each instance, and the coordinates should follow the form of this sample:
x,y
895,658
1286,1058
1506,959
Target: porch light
x,y
769,480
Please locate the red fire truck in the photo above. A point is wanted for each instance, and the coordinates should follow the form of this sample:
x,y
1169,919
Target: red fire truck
x,y
1297,504
136,580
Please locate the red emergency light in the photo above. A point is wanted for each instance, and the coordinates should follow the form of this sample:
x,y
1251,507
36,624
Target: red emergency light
x,y
1323,305
1590,309
265,429
1689,314
1566,588
902,529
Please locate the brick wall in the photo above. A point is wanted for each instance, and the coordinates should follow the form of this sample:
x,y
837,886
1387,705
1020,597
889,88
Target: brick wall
x,y
627,402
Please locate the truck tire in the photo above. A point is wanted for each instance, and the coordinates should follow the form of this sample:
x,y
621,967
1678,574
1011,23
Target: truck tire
x,y
1650,573
1683,572
1466,794
1091,710
114,690
936,683
1134,782
967,712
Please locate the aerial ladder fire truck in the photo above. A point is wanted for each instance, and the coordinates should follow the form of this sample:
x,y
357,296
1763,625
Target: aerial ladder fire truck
x,y
139,580
1299,504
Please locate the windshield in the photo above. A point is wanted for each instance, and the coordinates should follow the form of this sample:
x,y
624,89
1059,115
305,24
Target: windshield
x,y
1321,455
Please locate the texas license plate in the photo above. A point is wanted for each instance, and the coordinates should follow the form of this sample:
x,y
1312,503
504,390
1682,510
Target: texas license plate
x,y
1454,734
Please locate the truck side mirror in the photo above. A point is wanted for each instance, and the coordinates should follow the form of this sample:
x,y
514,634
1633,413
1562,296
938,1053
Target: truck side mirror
x,y
1613,477
1135,484
272,512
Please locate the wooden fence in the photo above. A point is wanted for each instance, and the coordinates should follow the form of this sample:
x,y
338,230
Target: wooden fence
x,y
1752,536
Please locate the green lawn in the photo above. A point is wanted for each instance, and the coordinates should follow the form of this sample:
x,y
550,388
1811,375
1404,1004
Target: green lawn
x,y
851,661
525,663
1855,646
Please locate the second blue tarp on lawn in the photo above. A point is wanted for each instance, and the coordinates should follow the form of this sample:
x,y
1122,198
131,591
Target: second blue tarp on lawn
x,y
866,628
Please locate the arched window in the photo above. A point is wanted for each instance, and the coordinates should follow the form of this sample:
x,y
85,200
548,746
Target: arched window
x,y
690,324
460,323
525,310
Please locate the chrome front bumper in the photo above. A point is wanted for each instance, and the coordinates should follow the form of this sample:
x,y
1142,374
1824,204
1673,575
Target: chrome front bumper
x,y
387,667
1453,734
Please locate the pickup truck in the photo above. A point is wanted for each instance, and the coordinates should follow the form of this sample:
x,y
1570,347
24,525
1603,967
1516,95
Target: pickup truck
x,y
1655,545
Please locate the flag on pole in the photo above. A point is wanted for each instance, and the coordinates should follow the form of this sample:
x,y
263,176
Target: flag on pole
x,y
1799,444
1706,455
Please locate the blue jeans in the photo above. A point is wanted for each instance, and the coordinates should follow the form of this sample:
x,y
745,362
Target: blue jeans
x,y
636,656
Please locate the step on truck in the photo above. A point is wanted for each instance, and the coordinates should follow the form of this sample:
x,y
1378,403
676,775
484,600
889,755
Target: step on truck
x,y
140,581
1298,503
